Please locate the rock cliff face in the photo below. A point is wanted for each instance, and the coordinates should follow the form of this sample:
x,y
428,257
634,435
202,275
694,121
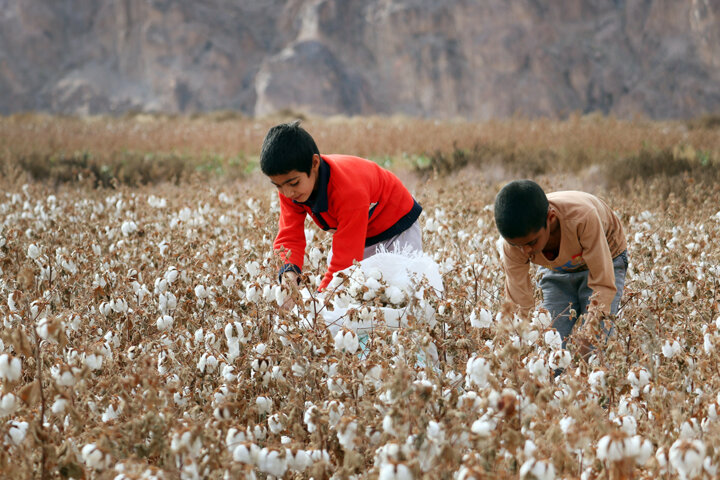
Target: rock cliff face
x,y
437,58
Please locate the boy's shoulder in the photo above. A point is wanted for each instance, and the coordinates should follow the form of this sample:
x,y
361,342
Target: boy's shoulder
x,y
348,162
575,202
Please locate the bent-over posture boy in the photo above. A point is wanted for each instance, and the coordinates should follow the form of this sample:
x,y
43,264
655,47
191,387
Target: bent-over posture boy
x,y
365,206
577,241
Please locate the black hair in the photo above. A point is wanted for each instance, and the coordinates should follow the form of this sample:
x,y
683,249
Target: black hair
x,y
521,208
287,147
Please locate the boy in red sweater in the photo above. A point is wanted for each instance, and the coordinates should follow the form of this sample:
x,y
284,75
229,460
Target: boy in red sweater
x,y
365,206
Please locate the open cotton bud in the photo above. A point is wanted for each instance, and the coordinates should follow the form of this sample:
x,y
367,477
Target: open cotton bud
x,y
264,405
171,275
275,423
638,378
553,339
33,251
537,470
59,406
559,359
95,458
16,432
346,341
8,404
483,319
686,457
346,432
395,471
298,460
164,322
128,228
395,295
670,349
272,461
13,299
201,292
10,367
63,375
94,361
477,372
596,380
207,363
246,453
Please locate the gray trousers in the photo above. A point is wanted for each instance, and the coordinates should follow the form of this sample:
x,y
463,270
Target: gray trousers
x,y
410,239
563,292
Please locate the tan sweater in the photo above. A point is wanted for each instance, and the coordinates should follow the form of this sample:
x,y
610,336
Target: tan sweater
x,y
591,236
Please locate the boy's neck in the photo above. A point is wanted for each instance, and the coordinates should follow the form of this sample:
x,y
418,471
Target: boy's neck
x,y
552,248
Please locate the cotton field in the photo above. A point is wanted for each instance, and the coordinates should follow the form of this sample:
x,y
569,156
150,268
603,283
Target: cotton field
x,y
142,338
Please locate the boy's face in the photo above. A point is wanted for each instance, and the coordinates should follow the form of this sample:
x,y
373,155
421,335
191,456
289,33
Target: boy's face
x,y
534,242
295,185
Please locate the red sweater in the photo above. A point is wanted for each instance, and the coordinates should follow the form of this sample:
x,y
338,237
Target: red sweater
x,y
364,203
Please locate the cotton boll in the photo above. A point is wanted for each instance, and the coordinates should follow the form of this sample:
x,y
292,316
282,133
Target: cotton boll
x,y
394,471
94,361
59,406
298,461
252,293
201,292
537,470
272,461
483,427
559,359
553,339
596,380
10,367
33,251
95,458
128,228
245,453
164,322
171,275
264,405
16,432
477,372
687,457
275,423
538,368
638,378
346,341
346,433
8,404
63,375
482,320
670,349
395,295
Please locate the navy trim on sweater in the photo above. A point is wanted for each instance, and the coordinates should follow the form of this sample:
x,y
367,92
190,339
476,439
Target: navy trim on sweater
x,y
400,226
288,267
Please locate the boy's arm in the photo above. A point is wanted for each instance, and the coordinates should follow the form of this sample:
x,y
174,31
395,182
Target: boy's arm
x,y
597,257
348,242
518,288
291,235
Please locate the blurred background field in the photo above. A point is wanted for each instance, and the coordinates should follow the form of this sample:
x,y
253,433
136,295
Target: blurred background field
x,y
143,149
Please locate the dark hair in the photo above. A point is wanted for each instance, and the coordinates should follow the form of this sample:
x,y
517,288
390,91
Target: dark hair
x,y
521,208
287,147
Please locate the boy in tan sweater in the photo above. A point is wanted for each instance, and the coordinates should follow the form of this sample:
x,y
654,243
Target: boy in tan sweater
x,y
577,241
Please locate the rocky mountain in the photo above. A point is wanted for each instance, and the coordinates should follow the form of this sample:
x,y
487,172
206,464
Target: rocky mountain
x,y
476,59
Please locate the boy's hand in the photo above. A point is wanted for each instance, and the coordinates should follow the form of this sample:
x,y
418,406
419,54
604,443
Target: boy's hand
x,y
290,279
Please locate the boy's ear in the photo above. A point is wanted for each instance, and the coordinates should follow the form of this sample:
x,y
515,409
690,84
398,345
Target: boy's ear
x,y
550,216
315,163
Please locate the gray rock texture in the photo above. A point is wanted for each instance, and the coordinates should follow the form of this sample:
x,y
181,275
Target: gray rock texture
x,y
476,59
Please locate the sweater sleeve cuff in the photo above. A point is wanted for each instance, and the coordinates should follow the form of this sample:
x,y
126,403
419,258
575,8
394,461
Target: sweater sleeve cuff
x,y
288,267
